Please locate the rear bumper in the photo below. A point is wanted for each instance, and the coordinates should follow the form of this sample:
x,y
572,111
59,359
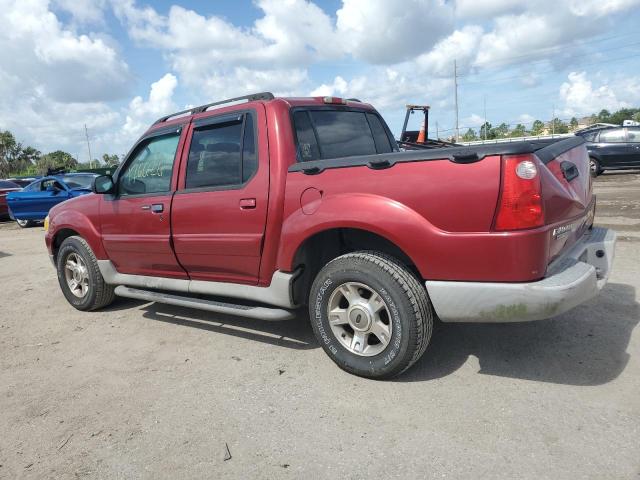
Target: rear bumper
x,y
571,280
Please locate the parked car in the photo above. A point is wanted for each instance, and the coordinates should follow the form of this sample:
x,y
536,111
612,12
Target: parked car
x,y
5,188
23,181
612,148
286,202
33,202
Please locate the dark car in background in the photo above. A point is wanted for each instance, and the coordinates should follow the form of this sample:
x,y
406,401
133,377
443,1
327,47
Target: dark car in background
x,y
32,203
23,181
5,188
612,148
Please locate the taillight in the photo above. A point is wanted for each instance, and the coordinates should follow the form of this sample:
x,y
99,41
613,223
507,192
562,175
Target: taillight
x,y
520,203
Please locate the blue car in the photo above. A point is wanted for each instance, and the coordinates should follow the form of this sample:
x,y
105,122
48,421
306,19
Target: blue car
x,y
33,202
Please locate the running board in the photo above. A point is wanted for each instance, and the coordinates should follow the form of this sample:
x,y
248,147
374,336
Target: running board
x,y
259,313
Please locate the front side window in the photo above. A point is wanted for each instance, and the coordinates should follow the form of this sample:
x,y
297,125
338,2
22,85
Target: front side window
x,y
151,168
51,184
222,154
323,134
613,136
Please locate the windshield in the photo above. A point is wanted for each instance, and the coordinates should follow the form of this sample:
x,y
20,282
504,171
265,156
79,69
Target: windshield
x,y
78,181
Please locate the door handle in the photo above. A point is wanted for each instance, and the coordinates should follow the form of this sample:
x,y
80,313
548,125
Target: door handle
x,y
247,203
155,208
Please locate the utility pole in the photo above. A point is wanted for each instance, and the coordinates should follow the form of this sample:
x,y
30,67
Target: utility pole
x,y
484,101
553,120
437,131
455,83
86,134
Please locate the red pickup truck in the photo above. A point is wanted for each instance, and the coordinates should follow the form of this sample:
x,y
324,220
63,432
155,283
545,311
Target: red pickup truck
x,y
259,205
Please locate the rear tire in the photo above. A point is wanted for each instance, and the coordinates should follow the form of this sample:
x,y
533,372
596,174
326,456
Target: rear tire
x,y
79,276
594,167
381,316
25,223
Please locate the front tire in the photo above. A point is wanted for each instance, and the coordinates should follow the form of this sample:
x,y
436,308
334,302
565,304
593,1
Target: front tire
x,y
370,314
25,223
594,167
79,276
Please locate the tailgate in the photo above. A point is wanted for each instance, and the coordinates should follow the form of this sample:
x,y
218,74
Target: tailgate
x,y
568,202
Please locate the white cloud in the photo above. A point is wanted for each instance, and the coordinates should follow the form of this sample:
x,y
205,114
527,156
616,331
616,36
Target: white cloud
x,y
384,32
580,97
83,11
141,113
488,8
67,67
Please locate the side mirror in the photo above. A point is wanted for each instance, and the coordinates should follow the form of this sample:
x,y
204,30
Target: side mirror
x,y
103,184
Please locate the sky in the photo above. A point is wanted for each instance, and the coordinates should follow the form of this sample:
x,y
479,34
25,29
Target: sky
x,y
117,65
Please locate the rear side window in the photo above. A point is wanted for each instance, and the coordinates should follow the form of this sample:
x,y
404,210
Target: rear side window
x,y
612,136
5,184
379,135
634,135
322,134
222,154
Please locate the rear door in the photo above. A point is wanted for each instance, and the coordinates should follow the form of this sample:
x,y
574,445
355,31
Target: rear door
x,y
136,221
220,210
633,147
612,147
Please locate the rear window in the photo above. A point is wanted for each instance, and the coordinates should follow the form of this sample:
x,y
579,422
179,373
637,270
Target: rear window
x,y
322,134
5,184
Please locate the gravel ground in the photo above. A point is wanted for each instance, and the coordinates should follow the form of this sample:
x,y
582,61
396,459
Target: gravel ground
x,y
151,391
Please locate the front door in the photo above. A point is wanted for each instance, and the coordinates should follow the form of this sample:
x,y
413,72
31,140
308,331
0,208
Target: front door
x,y
35,201
136,220
220,210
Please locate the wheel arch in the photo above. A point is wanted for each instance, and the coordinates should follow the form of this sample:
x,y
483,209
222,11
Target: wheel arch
x,y
321,247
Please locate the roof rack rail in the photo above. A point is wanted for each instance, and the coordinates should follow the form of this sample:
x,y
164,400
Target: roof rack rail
x,y
192,111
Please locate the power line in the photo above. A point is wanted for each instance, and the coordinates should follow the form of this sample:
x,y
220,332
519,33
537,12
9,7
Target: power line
x,y
506,60
514,77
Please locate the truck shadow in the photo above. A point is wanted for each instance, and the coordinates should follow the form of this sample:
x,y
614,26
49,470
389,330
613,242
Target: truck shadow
x,y
586,346
295,333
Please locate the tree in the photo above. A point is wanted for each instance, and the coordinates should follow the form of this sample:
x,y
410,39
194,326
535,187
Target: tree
x,y
573,123
537,127
56,160
486,132
111,160
558,126
604,116
9,149
519,131
470,136
501,131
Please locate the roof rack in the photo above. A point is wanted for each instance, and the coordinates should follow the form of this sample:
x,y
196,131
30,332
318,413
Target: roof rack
x,y
202,108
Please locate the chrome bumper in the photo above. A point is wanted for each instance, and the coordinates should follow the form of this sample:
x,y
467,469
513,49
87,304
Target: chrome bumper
x,y
571,280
